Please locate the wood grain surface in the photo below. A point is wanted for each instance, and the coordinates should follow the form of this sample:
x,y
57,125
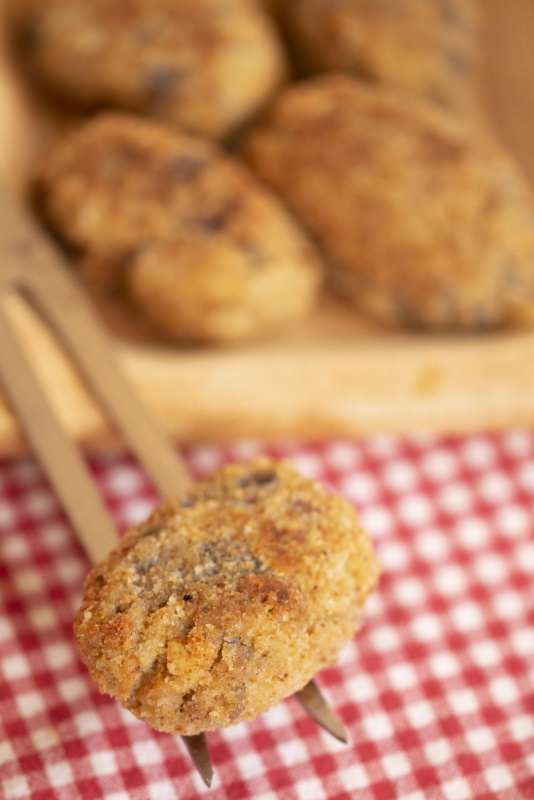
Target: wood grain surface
x,y
334,374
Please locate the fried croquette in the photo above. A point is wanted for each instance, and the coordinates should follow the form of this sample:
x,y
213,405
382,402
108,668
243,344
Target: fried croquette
x,y
177,232
424,219
205,65
226,600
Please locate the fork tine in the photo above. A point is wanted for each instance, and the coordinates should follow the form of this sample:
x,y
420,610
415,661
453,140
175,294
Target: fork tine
x,y
59,456
91,351
197,747
316,706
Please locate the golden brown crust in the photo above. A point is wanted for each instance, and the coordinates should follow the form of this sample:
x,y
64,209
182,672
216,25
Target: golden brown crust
x,y
427,47
425,221
206,65
227,600
179,232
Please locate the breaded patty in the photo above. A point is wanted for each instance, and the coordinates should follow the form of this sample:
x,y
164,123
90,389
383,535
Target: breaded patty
x,y
177,232
427,47
425,221
203,64
227,600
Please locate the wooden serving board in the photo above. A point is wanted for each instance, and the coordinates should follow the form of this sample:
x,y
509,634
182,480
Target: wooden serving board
x,y
334,374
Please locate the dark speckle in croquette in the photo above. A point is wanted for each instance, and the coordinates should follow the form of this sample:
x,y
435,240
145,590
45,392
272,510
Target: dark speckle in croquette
x,y
258,479
220,616
303,506
163,81
459,62
187,502
217,221
186,169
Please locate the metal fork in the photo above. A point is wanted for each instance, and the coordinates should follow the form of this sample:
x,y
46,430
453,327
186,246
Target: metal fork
x,y
32,267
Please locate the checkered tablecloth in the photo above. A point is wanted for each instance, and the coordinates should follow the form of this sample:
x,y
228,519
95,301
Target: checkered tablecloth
x,y
437,690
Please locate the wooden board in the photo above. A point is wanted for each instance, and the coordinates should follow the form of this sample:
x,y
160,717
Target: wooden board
x,y
334,374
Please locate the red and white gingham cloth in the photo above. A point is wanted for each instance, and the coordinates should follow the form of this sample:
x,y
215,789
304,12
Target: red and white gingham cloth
x,y
437,690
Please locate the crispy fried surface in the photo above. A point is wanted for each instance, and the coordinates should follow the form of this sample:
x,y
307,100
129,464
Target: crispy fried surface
x,y
203,64
227,600
427,47
178,232
425,221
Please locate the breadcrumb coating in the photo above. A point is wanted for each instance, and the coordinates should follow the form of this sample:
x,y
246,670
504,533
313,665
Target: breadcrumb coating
x,y
226,600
